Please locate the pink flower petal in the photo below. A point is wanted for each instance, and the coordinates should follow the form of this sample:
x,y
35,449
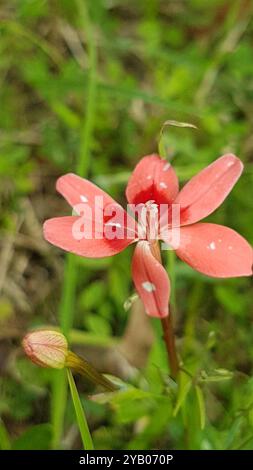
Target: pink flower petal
x,y
83,195
151,281
215,250
207,190
61,232
77,190
152,179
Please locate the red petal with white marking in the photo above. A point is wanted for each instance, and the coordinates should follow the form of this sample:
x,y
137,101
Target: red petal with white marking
x,y
207,190
77,190
215,250
72,234
153,179
151,281
102,228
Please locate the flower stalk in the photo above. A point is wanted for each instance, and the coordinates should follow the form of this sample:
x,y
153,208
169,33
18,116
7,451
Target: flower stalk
x,y
167,325
169,339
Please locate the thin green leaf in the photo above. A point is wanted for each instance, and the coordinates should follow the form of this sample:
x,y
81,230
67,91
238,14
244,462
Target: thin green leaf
x,y
5,443
80,415
66,114
177,124
185,384
217,375
201,405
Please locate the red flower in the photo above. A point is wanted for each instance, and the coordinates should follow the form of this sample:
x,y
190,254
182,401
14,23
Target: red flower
x,y
209,248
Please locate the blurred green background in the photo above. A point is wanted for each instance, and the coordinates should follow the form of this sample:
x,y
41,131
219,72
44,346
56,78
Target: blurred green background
x,y
85,86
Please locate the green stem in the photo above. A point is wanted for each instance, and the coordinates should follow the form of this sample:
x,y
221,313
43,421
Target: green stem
x,y
83,367
67,304
80,415
58,404
5,443
88,124
167,325
170,344
66,311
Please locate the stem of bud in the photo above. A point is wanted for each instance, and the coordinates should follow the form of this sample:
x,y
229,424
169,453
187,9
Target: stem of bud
x,y
84,368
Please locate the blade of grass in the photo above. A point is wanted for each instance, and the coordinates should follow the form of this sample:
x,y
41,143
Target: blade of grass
x,y
88,123
80,415
201,405
67,304
5,443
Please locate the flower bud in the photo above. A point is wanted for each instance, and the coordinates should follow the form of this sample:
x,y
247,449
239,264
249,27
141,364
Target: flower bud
x,y
46,348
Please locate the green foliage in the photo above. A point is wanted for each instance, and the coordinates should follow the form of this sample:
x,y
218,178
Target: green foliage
x,y
80,415
36,438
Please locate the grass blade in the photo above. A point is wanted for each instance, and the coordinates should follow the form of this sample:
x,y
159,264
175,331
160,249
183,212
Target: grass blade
x,y
80,416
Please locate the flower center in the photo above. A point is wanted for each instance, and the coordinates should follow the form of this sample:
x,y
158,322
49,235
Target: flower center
x,y
149,221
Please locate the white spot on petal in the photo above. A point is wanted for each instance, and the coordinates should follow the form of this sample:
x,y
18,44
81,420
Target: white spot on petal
x,y
149,177
148,286
114,224
83,198
166,166
230,163
212,246
230,247
163,185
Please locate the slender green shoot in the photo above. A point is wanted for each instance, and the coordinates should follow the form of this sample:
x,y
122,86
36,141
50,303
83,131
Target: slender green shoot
x,y
80,415
5,443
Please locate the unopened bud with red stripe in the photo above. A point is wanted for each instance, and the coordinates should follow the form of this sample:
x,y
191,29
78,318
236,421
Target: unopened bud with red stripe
x,y
49,348
46,348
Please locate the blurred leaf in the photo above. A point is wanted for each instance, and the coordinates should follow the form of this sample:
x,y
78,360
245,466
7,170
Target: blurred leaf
x,y
5,442
131,404
185,383
232,300
217,375
16,400
117,289
6,310
92,296
98,325
155,425
70,118
94,264
35,438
